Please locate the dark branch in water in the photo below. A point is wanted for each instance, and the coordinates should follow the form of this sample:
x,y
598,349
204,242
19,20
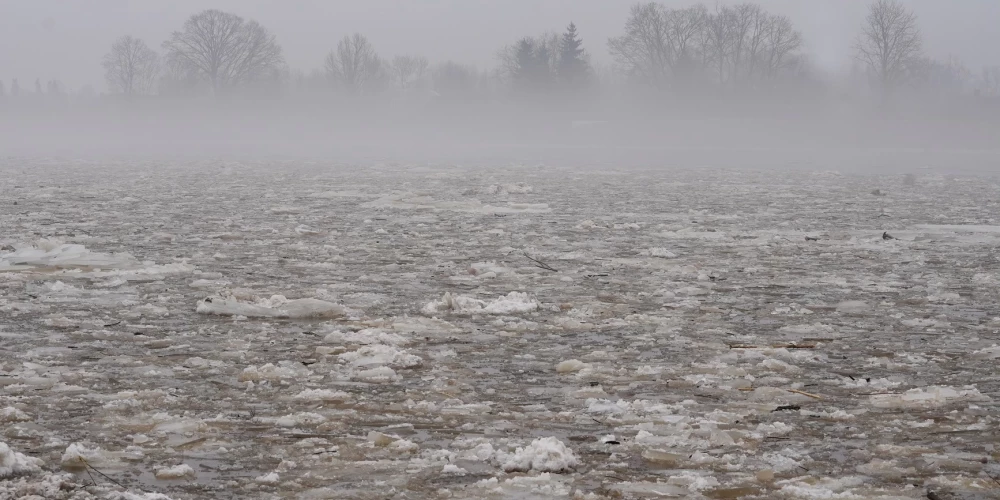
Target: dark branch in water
x,y
105,476
540,264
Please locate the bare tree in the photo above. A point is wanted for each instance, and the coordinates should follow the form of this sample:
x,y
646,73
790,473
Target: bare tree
x,y
224,49
643,51
131,67
746,45
355,65
889,42
747,32
685,28
781,43
719,41
408,70
661,46
178,79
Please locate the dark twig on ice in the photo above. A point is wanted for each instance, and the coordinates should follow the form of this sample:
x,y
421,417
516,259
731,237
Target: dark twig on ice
x,y
105,476
787,408
540,264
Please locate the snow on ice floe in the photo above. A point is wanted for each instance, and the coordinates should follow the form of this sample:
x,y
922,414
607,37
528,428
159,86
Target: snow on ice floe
x,y
570,366
276,306
546,454
55,253
489,270
283,371
79,456
365,337
512,303
322,395
541,486
379,355
659,252
11,414
14,464
928,397
987,353
181,471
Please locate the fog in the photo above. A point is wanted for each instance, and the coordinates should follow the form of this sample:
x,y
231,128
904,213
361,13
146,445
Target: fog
x,y
473,98
499,249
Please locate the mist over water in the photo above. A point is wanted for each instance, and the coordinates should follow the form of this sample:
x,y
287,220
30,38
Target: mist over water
x,y
719,82
521,249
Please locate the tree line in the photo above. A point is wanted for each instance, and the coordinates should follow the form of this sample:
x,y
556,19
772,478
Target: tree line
x,y
676,51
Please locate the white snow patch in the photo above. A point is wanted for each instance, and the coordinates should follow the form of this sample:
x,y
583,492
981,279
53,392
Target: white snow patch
x,y
453,470
381,374
284,370
546,454
13,464
512,303
275,307
987,353
269,479
176,472
11,414
928,397
79,456
303,419
55,253
322,395
364,337
379,355
570,366
661,253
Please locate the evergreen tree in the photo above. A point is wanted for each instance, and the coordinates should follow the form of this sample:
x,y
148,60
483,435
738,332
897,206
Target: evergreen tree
x,y
572,67
38,85
531,69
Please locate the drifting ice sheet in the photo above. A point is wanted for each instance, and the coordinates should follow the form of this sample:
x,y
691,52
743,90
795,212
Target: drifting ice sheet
x,y
927,397
54,253
275,307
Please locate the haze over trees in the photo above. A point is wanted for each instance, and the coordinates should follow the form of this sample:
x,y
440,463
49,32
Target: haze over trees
x,y
408,71
696,56
733,46
573,67
890,45
355,67
131,67
224,50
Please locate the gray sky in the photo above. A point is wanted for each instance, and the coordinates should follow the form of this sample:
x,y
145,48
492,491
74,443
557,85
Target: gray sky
x,y
65,39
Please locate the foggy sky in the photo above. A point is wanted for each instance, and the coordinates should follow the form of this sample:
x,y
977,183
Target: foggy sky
x,y
65,39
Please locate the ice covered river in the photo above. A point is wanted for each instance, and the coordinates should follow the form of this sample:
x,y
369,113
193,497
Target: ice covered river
x,y
310,330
